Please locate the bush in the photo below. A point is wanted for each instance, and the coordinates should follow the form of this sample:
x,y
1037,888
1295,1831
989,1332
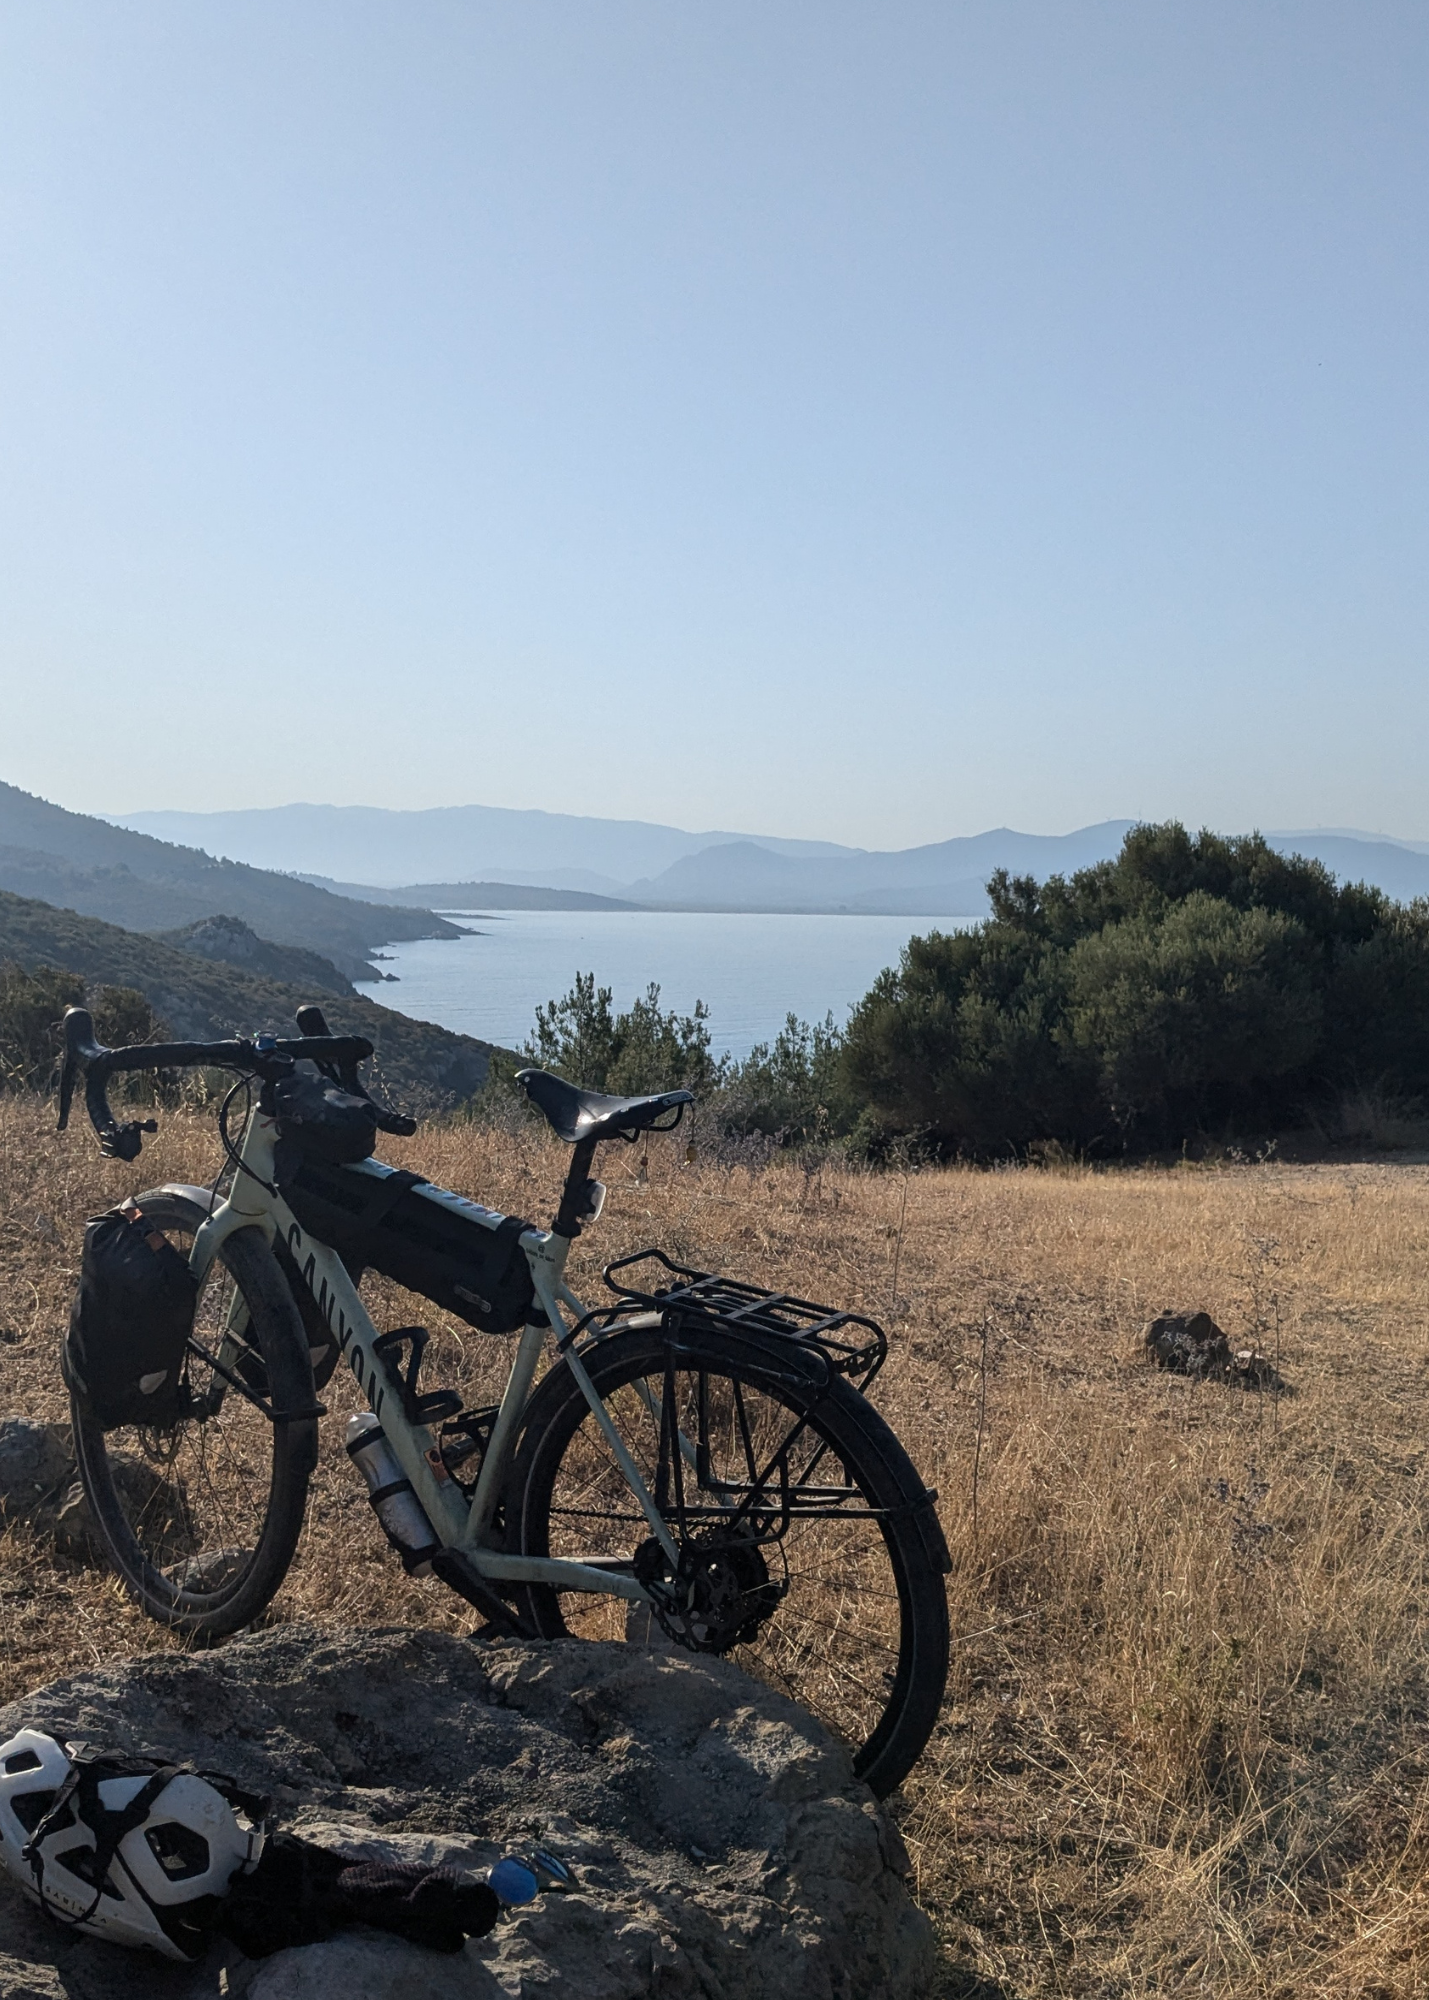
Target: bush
x,y
1195,1010
32,1007
1193,983
581,1038
791,1089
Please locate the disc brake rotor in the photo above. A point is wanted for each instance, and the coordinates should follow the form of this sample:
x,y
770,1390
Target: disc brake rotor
x,y
718,1597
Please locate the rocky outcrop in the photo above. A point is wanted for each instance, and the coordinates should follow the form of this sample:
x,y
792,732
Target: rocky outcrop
x,y
723,1848
229,941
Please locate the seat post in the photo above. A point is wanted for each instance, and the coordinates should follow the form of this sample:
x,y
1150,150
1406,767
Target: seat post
x,y
568,1215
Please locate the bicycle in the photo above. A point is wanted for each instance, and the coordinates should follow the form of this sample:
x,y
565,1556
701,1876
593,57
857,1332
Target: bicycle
x,y
699,1454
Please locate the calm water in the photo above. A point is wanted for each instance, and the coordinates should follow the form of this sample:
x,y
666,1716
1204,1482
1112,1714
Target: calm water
x,y
751,971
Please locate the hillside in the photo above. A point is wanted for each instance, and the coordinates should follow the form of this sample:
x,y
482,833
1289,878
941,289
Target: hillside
x,y
946,878
476,896
229,941
422,1066
126,878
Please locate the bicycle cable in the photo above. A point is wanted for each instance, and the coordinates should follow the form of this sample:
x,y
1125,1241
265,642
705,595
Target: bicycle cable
x,y
244,1083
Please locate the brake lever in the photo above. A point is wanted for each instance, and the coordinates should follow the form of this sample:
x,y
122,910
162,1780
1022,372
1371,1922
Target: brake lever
x,y
67,1071
79,1041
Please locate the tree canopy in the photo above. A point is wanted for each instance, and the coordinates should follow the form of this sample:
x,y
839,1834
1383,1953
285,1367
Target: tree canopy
x,y
1195,982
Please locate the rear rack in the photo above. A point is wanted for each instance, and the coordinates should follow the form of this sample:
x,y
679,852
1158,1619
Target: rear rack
x,y
851,1343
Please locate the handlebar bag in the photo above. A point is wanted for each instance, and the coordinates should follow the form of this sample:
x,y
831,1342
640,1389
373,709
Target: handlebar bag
x,y
388,1222
131,1319
320,1119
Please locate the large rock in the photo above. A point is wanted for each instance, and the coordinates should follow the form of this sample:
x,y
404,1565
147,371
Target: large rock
x,y
723,1847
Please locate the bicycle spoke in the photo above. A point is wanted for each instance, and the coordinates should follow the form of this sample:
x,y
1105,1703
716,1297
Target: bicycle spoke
x,y
833,1641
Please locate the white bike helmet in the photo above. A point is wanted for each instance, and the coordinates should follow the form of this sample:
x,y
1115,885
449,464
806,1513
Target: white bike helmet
x,y
126,1847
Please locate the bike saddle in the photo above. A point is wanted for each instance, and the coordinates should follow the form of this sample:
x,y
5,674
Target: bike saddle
x,y
576,1114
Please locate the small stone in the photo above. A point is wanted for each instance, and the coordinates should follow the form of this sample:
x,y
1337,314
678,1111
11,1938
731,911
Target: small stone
x,y
36,1463
1192,1344
76,1534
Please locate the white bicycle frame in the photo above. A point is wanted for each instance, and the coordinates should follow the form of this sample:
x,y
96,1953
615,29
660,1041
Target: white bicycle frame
x,y
460,1524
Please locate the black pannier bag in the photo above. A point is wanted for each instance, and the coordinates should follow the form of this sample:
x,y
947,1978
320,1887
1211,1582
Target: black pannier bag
x,y
321,1119
131,1319
385,1222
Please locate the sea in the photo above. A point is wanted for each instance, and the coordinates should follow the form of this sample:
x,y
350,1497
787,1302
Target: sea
x,y
751,970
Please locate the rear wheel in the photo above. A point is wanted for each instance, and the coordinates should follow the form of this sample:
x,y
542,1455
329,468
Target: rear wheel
x,y
201,1520
808,1550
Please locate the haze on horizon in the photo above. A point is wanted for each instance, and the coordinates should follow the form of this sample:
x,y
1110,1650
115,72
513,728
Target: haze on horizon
x,y
862,425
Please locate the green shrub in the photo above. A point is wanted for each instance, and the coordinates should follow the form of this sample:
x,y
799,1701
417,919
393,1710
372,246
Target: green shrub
x,y
792,1088
1193,983
32,1007
582,1038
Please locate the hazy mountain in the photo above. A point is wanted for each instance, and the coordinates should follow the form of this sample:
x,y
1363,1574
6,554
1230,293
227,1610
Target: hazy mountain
x,y
101,870
1350,833
444,843
945,879
1400,868
454,852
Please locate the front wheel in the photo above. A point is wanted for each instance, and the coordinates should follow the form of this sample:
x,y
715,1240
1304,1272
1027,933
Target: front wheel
x,y
201,1520
808,1549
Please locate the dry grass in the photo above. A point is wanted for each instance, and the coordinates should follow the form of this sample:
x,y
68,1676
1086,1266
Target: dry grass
x,y
1185,1748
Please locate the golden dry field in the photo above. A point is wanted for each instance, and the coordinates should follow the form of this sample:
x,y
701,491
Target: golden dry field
x,y
1185,1748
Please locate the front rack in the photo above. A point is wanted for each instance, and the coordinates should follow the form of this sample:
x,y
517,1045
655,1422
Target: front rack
x,y
851,1343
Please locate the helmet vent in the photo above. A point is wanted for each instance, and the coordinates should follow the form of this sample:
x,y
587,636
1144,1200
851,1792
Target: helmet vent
x,y
179,1850
80,1861
23,1760
30,1808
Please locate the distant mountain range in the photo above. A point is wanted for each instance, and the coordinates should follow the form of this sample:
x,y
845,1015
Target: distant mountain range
x,y
485,856
448,844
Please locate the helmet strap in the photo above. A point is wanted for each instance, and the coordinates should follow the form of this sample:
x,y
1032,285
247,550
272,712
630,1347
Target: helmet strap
x,y
78,1799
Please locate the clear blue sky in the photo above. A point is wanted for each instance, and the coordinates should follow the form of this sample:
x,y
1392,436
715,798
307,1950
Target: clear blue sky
x,y
874,422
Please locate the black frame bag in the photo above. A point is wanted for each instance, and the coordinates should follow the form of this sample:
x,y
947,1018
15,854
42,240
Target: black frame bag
x,y
386,1223
130,1324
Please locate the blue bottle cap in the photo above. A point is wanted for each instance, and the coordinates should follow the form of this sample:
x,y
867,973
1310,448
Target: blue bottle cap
x,y
513,1881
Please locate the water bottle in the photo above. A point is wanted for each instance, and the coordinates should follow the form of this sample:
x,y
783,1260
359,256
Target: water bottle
x,y
403,1517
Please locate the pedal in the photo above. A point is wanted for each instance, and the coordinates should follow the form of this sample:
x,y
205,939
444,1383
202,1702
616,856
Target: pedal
x,y
431,1407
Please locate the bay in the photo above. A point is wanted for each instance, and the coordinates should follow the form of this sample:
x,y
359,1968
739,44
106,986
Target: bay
x,y
750,969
